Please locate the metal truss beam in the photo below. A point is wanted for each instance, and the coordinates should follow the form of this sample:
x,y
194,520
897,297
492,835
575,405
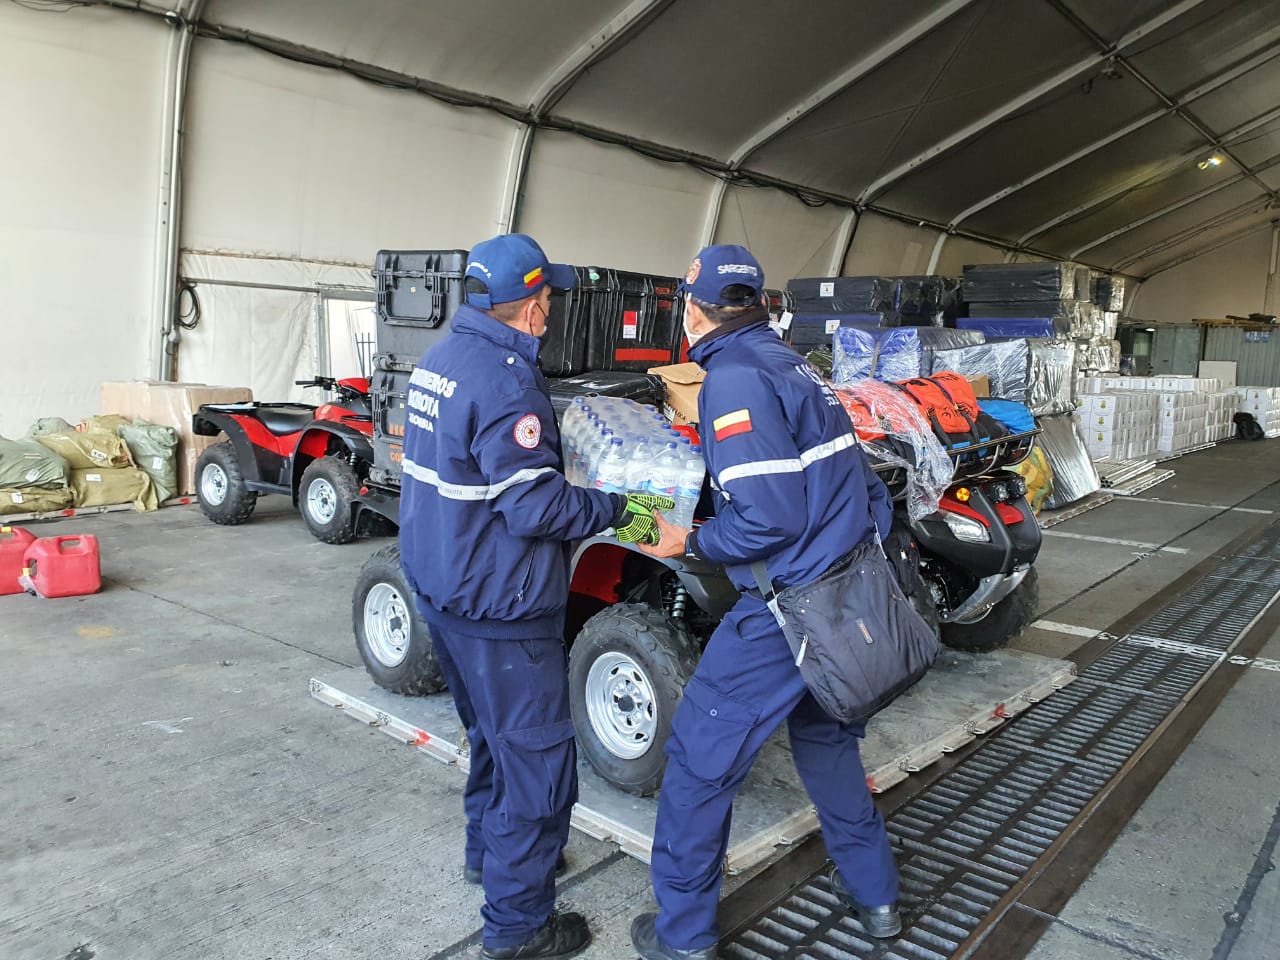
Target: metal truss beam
x,y
1008,108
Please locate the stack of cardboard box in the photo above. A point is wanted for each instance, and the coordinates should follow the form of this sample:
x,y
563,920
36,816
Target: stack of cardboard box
x,y
1120,425
1189,412
1264,404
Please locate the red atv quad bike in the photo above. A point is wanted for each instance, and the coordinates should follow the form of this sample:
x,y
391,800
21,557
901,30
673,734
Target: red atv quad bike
x,y
319,456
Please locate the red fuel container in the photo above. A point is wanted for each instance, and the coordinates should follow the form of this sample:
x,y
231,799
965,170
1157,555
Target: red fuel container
x,y
13,547
62,566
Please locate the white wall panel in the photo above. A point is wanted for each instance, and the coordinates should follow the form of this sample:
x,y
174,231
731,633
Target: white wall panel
x,y
590,203
789,238
79,180
296,161
1229,280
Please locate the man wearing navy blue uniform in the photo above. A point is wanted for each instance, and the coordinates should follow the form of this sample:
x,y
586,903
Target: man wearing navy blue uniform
x,y
794,490
486,517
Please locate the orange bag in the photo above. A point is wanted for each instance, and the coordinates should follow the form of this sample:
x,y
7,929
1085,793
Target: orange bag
x,y
946,417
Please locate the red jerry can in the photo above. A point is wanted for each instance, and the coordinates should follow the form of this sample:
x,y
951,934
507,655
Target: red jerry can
x,y
62,567
13,547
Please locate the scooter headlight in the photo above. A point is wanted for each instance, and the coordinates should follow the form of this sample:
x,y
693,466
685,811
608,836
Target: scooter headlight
x,y
964,528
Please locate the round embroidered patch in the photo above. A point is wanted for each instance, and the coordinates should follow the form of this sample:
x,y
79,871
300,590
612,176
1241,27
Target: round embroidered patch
x,y
695,268
528,431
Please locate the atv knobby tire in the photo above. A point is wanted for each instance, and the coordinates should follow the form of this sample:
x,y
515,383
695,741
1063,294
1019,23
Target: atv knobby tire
x,y
327,499
220,486
1006,620
391,635
627,671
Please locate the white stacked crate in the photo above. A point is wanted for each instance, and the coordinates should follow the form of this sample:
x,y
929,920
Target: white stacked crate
x,y
1264,404
1120,425
1189,412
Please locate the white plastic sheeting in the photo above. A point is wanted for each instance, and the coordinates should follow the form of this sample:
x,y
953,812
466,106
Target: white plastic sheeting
x,y
79,178
787,237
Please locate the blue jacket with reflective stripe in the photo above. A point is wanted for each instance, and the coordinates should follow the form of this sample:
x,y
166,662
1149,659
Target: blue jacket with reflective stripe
x,y
485,511
795,489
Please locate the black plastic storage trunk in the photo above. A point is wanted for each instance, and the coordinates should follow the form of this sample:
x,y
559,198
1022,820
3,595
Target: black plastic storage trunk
x,y
1000,282
844,294
928,300
809,331
636,320
388,390
417,293
640,387
564,346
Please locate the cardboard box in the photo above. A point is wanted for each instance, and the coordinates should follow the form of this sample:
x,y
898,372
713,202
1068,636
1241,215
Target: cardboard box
x,y
683,382
981,385
171,405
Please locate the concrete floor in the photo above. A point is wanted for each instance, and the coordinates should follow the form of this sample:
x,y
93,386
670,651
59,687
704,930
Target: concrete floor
x,y
172,791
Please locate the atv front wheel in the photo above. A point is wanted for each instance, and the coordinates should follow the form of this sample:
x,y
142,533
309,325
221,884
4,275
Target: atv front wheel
x,y
1003,622
391,635
220,486
327,498
627,671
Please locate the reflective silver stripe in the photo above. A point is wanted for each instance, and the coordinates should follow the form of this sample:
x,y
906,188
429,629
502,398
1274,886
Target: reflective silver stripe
x,y
474,492
809,457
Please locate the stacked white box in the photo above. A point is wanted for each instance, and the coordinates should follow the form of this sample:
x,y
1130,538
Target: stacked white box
x,y
1263,403
1183,421
1219,424
1121,425
1188,412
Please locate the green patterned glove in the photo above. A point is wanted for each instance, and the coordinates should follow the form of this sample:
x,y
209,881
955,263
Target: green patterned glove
x,y
635,523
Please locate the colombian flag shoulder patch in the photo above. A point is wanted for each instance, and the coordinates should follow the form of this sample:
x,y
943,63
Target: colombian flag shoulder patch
x,y
732,424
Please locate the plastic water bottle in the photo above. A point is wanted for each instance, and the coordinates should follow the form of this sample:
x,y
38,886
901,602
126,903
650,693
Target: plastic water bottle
x,y
611,471
593,454
585,430
692,473
664,471
639,463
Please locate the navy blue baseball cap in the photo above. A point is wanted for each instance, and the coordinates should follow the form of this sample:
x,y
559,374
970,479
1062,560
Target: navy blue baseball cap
x,y
513,267
718,267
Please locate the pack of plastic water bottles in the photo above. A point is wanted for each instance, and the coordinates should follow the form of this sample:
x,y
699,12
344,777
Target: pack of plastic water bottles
x,y
620,446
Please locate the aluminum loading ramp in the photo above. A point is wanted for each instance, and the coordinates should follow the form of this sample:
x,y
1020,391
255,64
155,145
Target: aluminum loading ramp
x,y
963,697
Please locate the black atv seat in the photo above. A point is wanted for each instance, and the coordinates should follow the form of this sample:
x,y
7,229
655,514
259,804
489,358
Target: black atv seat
x,y
283,418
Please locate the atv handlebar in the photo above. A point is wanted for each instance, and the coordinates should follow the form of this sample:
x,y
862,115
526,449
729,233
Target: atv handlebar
x,y
325,383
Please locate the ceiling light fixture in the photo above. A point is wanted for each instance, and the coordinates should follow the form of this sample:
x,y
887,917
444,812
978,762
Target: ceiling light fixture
x,y
1210,161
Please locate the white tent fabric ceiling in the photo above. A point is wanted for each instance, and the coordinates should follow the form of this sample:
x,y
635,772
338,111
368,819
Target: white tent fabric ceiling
x,y
1096,113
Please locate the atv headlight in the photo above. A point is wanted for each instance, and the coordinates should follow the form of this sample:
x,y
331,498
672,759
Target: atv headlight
x,y
966,529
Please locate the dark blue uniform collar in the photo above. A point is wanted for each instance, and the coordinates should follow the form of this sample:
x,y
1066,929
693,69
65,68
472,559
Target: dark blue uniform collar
x,y
735,331
467,319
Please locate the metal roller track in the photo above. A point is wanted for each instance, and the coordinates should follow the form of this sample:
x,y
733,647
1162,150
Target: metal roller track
x,y
968,839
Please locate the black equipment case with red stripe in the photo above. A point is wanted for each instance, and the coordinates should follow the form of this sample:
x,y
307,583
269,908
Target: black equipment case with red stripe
x,y
637,320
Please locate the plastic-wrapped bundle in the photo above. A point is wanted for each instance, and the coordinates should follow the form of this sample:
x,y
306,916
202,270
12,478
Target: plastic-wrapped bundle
x,y
1004,362
1108,292
1009,326
1110,320
1098,354
808,331
844,294
928,300
1019,281
861,353
1074,476
1051,376
1086,321
892,430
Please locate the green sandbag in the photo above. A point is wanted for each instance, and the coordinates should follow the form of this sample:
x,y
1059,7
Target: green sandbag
x,y
89,449
154,449
34,500
100,488
47,425
25,463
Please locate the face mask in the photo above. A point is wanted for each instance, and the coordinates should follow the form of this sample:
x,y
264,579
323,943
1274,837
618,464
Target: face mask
x,y
693,337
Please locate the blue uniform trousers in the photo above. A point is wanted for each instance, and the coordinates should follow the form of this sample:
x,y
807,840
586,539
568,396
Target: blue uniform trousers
x,y
513,698
745,686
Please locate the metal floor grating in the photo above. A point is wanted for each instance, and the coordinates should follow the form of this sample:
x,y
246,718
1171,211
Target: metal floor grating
x,y
966,840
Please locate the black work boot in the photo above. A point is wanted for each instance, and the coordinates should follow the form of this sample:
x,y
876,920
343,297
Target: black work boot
x,y
645,939
563,935
476,874
880,922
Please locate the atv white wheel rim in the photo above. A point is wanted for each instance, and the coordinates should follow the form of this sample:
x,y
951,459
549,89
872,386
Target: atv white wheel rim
x,y
387,624
213,484
322,501
621,706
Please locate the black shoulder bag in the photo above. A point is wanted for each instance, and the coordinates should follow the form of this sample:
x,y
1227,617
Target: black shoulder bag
x,y
858,641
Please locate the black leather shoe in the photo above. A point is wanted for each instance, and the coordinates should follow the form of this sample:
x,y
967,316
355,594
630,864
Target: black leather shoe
x,y
879,922
647,943
563,935
476,874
